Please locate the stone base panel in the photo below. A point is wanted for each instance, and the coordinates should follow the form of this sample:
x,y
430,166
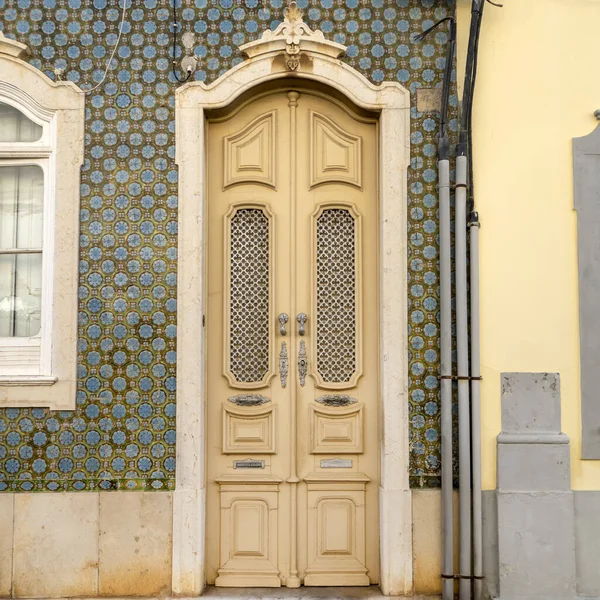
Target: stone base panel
x,y
587,543
85,544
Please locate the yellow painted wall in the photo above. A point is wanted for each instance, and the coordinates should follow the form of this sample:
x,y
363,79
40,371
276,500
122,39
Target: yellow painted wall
x,y
537,88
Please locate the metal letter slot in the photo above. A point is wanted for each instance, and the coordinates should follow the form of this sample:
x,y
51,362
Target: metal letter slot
x,y
336,463
248,463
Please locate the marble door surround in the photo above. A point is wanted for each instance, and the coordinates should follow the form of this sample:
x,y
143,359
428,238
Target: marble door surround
x,y
293,53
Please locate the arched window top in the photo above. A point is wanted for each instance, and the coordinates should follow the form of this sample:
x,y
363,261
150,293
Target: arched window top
x,y
17,127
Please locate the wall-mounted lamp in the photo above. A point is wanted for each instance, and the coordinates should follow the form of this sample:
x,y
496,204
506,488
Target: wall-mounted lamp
x,y
190,61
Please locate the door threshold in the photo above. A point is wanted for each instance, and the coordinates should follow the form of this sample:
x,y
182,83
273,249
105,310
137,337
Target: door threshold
x,y
372,592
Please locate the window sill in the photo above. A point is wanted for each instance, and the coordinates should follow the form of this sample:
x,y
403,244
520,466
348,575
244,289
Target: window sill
x,y
18,380
38,391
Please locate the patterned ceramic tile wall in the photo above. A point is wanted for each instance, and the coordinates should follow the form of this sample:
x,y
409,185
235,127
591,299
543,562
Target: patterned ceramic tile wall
x,y
122,434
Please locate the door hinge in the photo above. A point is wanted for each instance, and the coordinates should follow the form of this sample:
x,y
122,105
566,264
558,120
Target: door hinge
x,y
203,320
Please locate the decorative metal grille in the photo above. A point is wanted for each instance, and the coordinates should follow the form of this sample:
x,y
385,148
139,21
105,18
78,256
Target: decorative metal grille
x,y
336,291
249,296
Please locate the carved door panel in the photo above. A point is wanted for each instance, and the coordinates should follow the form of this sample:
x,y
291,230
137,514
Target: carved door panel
x,y
292,323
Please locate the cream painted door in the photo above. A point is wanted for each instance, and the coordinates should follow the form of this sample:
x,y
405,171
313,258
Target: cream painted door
x,y
292,357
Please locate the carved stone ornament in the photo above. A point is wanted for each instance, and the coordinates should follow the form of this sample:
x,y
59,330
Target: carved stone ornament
x,y
336,400
248,399
291,38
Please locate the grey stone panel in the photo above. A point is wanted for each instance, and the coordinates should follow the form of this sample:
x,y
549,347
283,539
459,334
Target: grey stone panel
x,y
490,544
530,402
587,542
535,510
536,546
586,177
533,467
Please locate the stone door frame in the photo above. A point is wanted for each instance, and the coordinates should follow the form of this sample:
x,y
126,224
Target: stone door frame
x,y
293,51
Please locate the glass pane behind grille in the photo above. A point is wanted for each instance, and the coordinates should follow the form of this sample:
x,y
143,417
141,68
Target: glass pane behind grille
x,y
21,206
16,127
20,294
249,295
336,290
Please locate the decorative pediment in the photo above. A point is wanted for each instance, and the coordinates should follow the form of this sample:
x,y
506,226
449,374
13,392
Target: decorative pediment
x,y
292,38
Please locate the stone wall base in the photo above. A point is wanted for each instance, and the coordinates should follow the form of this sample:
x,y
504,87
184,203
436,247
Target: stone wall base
x,y
83,544
541,539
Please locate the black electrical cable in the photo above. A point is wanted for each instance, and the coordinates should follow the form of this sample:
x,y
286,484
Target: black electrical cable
x,y
471,193
466,138
450,51
462,148
175,28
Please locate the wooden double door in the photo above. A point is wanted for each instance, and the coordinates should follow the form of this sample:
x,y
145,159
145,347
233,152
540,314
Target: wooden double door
x,y
292,344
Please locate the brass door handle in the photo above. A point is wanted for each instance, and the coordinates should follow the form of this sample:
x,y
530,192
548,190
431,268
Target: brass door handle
x,y
283,319
301,318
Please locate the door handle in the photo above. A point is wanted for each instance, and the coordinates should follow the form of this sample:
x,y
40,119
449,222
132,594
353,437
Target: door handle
x,y
301,318
283,319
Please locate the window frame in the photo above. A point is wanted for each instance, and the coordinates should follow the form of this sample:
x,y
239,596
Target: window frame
x,y
59,108
43,339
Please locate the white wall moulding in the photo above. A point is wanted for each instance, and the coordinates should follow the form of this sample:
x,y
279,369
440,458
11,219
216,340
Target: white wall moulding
x,y
58,108
294,56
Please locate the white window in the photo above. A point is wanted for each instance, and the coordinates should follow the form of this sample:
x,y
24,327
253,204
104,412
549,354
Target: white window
x,y
41,150
25,246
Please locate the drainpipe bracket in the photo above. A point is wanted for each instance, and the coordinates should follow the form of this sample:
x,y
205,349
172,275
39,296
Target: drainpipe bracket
x,y
474,220
460,377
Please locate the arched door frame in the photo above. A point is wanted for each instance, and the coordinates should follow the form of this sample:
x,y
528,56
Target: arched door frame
x,y
293,51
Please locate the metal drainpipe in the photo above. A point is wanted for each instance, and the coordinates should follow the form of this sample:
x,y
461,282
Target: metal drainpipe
x,y
476,495
446,379
462,347
446,328
475,409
